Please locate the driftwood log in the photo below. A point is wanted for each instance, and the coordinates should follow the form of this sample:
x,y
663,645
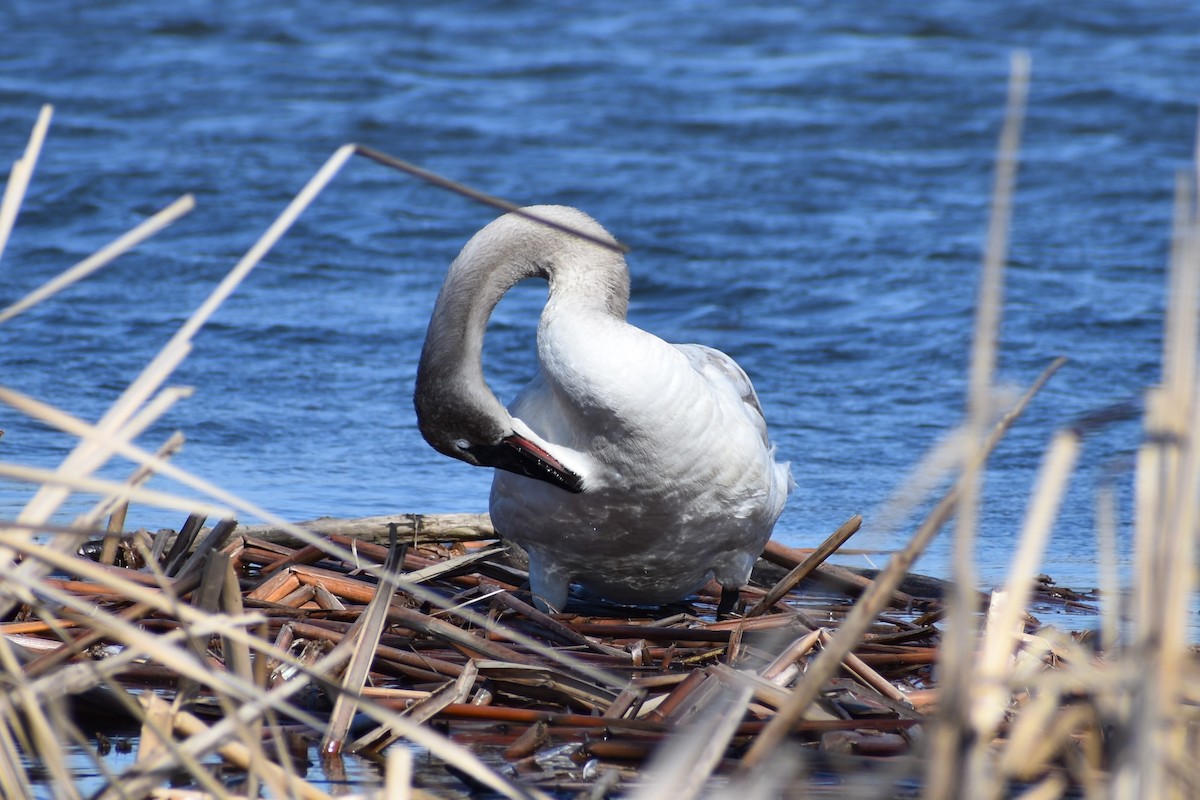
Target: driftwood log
x,y
415,528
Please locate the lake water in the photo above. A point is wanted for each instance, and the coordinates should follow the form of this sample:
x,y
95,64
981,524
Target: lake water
x,y
805,186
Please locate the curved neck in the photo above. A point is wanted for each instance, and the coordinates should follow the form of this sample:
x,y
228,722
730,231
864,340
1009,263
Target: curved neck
x,y
452,398
451,390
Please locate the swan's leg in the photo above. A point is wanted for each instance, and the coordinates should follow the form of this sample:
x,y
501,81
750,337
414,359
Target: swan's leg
x,y
729,598
548,583
732,573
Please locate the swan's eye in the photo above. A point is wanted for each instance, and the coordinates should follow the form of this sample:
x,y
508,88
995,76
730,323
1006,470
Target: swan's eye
x,y
462,444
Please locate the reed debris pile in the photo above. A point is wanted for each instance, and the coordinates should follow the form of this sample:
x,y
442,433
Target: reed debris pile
x,y
306,657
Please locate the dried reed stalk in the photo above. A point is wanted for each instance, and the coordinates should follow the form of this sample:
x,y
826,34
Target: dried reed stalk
x,y
684,765
101,257
990,685
21,173
362,639
1168,474
806,568
947,773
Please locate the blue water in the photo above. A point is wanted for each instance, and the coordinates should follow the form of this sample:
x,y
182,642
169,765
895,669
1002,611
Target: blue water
x,y
805,186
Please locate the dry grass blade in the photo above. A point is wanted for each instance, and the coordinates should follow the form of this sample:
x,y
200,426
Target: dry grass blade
x,y
478,196
252,701
89,454
101,257
444,567
14,781
414,529
38,727
782,668
991,290
944,776
990,691
120,492
453,634
399,775
985,343
155,742
241,756
1168,480
18,178
423,710
454,754
1106,546
870,677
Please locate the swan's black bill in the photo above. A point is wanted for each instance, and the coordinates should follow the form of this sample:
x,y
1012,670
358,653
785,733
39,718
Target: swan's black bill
x,y
518,454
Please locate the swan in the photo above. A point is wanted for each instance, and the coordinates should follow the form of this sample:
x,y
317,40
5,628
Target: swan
x,y
635,468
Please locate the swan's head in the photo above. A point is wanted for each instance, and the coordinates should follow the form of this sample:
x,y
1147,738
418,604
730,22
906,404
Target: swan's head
x,y
523,455
460,418
456,411
490,439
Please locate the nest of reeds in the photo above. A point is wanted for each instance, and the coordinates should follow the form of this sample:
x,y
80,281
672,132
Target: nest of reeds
x,y
363,641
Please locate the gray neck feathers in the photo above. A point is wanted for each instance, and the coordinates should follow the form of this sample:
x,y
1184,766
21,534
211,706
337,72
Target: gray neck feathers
x,y
452,399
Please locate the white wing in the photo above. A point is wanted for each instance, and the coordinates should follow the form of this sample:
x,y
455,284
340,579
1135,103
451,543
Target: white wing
x,y
715,366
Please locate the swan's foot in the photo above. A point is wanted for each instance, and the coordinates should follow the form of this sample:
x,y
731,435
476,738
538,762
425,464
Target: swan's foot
x,y
729,600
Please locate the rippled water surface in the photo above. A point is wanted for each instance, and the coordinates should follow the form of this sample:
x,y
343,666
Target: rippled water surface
x,y
805,186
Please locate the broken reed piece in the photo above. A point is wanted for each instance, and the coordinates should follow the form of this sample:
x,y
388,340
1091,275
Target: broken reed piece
x,y
213,541
456,691
785,662
807,566
554,626
363,639
533,739
865,673
308,554
174,558
455,636
420,666
845,579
